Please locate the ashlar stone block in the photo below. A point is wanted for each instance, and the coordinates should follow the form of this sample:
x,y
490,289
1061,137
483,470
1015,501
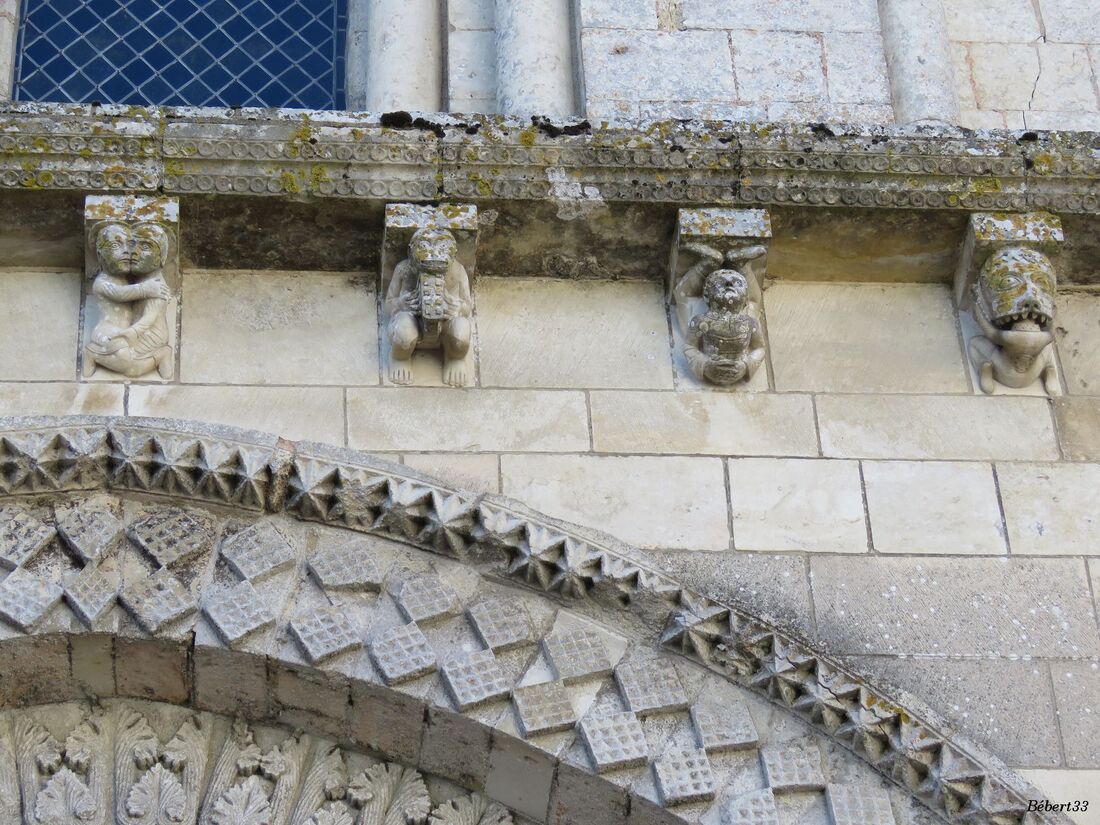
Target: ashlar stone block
x,y
1050,509
1079,344
22,537
775,65
40,310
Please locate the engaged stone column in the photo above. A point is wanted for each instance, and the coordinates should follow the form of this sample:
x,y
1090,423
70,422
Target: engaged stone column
x,y
534,58
9,33
918,58
395,55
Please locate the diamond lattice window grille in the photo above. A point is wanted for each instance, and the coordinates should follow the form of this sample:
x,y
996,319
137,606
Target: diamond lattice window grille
x,y
284,53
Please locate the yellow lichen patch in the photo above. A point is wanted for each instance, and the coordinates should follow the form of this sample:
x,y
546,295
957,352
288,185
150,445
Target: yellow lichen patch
x,y
290,183
527,136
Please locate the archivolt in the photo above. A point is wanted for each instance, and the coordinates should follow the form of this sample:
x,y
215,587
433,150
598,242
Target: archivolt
x,y
230,602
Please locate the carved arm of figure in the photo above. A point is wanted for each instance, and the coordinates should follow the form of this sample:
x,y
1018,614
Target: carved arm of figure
x,y
457,297
755,356
691,283
716,372
988,330
152,288
403,293
745,260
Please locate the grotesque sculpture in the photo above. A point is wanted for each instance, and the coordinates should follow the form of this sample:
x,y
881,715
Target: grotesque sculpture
x,y
429,306
723,344
1013,304
131,336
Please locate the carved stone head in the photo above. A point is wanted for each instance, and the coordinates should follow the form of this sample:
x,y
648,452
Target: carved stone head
x,y
1017,286
726,289
131,249
432,249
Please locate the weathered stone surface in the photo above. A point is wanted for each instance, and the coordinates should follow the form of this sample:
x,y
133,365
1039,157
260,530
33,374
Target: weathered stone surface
x,y
1001,21
910,606
864,338
315,413
1050,509
479,421
775,65
641,65
1005,706
618,14
1079,344
698,422
1078,427
471,71
780,504
931,427
61,399
857,68
816,15
278,328
565,334
40,312
478,473
627,496
931,507
1077,693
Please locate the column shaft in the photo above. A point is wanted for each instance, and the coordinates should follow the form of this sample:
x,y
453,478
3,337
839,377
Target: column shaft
x,y
918,58
395,55
535,58
9,36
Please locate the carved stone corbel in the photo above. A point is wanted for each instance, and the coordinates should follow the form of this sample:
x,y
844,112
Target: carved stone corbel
x,y
428,256
719,259
1005,287
132,303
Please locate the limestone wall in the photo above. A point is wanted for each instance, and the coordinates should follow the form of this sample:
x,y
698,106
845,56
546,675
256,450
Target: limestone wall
x,y
866,495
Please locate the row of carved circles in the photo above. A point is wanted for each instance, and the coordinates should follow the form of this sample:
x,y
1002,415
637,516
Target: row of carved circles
x,y
881,197
301,149
586,156
539,190
49,179
268,185
31,143
883,163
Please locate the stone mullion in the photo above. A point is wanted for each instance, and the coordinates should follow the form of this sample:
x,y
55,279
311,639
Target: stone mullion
x,y
395,55
9,38
535,62
918,58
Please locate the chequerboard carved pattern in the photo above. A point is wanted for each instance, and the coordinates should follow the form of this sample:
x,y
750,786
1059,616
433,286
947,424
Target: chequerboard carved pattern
x,y
336,490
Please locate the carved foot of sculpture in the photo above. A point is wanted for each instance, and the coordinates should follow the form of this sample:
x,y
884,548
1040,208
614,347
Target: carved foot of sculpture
x,y
165,363
89,365
454,372
1050,381
985,377
401,373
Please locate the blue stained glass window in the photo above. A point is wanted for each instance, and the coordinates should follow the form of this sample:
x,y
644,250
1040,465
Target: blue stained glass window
x,y
287,53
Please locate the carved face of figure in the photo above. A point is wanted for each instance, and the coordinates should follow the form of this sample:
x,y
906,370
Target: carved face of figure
x,y
131,250
1017,287
726,289
433,249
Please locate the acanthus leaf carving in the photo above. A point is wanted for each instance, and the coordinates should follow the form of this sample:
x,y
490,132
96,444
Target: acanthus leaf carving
x,y
158,798
471,810
65,800
244,804
332,813
390,795
325,782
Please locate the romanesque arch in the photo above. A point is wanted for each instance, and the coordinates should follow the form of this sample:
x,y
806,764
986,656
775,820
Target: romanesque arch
x,y
204,624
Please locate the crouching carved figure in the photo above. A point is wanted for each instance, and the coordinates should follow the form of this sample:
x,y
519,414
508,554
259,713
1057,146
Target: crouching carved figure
x,y
718,262
428,305
131,336
1009,284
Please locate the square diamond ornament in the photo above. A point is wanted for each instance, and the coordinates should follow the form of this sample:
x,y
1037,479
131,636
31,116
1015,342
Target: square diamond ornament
x,y
685,776
91,593
651,687
475,680
577,655
346,566
158,600
89,532
793,767
25,599
724,728
22,537
859,805
258,551
756,808
403,653
169,537
615,741
326,632
501,625
239,612
425,599
543,708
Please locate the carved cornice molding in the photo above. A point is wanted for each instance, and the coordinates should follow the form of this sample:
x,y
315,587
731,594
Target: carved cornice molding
x,y
249,472
181,151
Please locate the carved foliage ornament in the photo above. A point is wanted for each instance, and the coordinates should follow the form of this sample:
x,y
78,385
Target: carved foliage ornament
x,y
300,782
